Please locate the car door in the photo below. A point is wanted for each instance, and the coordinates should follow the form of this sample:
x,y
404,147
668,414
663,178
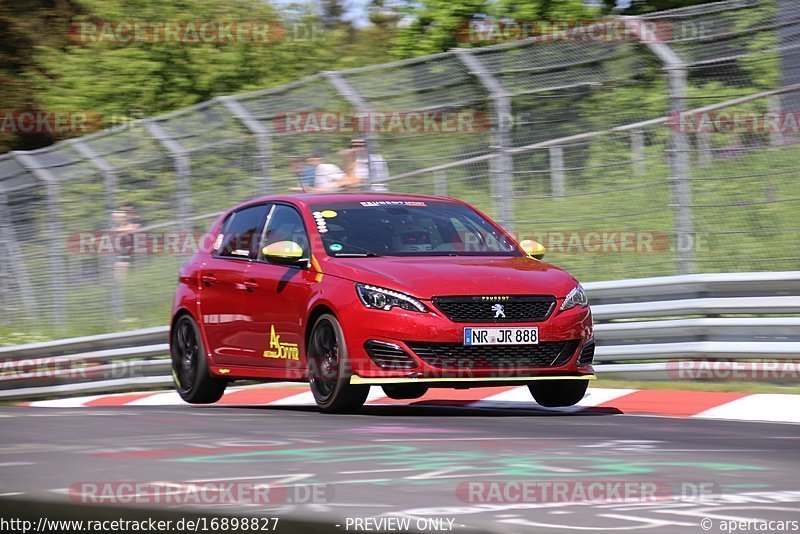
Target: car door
x,y
277,303
223,284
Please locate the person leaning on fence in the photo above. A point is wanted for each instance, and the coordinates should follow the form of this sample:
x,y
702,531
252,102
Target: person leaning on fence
x,y
351,181
327,176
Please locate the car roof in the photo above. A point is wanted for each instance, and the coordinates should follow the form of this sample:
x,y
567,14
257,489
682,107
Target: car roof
x,y
315,198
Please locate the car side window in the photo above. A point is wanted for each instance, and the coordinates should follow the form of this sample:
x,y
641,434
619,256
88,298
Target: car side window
x,y
241,232
285,224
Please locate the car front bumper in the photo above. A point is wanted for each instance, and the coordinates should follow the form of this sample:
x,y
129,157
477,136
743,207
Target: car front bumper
x,y
402,328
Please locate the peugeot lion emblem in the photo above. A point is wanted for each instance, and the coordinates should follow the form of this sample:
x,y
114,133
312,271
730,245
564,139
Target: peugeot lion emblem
x,y
499,311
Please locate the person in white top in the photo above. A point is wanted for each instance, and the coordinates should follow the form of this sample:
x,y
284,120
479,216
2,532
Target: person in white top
x,y
326,175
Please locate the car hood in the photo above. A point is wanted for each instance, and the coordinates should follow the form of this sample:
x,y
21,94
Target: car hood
x,y
466,275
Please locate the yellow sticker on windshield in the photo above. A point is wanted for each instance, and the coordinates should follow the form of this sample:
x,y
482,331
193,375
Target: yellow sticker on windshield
x,y
329,214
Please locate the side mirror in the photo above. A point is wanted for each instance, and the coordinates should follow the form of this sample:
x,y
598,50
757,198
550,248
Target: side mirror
x,y
284,253
532,248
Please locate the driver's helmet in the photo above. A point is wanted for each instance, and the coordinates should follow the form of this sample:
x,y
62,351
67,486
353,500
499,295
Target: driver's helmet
x,y
415,241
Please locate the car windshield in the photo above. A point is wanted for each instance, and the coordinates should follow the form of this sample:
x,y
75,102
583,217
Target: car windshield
x,y
408,228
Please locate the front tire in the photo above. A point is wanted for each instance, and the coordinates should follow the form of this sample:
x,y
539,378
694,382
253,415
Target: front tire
x,y
558,393
189,367
328,369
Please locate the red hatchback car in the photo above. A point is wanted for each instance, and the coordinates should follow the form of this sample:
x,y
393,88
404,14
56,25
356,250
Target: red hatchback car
x,y
347,291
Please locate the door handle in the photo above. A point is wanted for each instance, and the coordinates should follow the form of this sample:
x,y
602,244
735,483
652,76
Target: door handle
x,y
208,279
250,285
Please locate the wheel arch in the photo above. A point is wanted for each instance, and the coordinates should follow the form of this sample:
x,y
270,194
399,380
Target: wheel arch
x,y
317,311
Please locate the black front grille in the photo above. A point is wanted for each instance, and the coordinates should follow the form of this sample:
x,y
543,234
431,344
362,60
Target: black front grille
x,y
587,354
484,309
457,356
389,355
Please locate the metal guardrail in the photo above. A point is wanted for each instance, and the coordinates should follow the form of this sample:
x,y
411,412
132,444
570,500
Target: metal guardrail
x,y
648,320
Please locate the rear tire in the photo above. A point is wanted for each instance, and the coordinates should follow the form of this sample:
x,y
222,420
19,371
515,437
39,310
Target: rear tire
x,y
557,393
399,392
189,366
328,369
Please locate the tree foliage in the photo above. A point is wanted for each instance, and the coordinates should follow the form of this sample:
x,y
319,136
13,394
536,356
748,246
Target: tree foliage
x,y
44,65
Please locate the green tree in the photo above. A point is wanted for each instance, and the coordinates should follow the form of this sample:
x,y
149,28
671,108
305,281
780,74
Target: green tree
x,y
46,63
438,25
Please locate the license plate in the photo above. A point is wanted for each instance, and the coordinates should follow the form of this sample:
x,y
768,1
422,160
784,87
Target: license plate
x,y
501,336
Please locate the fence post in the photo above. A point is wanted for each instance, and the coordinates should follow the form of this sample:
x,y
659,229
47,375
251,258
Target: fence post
x,y
116,298
637,149
775,107
678,152
57,250
501,166
557,182
12,266
183,170
440,183
263,138
360,105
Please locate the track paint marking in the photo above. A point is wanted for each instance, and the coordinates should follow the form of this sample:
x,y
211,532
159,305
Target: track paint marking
x,y
364,472
159,399
13,464
680,403
764,407
305,398
471,439
282,479
116,400
65,403
11,494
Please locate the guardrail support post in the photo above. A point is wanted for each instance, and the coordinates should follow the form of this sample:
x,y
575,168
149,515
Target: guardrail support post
x,y
12,265
57,250
502,166
183,170
263,139
637,149
557,180
678,152
116,302
440,183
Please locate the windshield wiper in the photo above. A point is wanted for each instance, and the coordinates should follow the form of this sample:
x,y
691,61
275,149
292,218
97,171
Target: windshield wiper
x,y
358,255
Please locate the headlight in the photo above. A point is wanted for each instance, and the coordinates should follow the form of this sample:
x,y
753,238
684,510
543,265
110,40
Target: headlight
x,y
576,297
386,299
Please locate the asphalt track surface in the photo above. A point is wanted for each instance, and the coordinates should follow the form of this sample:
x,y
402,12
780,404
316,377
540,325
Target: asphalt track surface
x,y
410,461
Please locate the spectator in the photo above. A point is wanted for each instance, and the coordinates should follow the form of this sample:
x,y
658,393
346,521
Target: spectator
x,y
326,175
304,172
123,222
351,180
